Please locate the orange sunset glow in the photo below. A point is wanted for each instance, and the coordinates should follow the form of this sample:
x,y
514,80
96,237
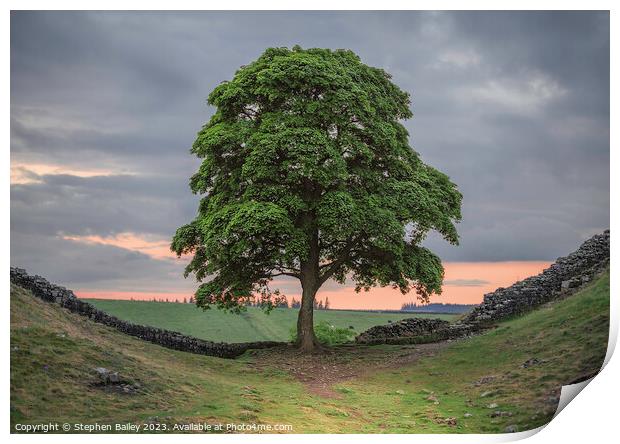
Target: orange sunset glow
x,y
25,173
464,283
154,247
494,275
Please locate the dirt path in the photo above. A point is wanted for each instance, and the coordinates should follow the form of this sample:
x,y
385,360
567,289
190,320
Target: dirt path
x,y
319,372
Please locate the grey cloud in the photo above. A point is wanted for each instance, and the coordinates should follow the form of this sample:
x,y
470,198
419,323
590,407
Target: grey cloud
x,y
92,266
104,205
514,106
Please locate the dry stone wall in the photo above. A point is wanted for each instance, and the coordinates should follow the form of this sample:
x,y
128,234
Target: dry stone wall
x,y
420,329
562,278
49,292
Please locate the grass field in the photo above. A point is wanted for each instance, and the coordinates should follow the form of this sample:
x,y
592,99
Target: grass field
x,y
406,389
252,325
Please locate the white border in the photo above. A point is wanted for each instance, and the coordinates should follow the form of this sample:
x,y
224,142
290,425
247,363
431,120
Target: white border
x,y
591,418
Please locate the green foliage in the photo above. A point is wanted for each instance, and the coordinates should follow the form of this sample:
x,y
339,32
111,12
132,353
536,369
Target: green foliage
x,y
328,334
306,162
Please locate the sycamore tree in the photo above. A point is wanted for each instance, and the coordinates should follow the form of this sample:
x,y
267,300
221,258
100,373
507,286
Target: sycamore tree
x,y
308,173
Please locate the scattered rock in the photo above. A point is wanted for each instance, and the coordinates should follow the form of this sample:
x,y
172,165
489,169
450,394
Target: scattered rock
x,y
488,393
467,415
493,405
484,380
106,376
531,362
447,421
511,429
450,421
499,413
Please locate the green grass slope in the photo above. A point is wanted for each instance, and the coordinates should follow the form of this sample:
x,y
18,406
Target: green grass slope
x,y
54,352
252,325
520,367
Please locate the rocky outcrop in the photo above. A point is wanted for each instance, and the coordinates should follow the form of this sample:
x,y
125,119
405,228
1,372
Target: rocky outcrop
x,y
49,292
561,279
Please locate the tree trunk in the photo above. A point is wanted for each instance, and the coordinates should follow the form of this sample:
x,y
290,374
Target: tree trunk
x,y
310,283
306,340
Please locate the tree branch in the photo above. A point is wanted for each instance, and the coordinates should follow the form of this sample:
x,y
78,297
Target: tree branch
x,y
283,273
333,266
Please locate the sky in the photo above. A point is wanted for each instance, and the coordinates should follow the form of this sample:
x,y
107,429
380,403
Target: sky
x,y
513,106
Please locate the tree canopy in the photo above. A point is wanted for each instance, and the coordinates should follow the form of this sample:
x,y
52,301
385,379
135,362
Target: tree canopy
x,y
307,172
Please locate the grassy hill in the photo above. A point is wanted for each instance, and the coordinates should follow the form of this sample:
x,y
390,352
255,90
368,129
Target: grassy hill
x,y
517,368
252,325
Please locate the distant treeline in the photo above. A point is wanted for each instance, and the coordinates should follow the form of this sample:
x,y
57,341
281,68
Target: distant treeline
x,y
169,300
436,308
320,305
